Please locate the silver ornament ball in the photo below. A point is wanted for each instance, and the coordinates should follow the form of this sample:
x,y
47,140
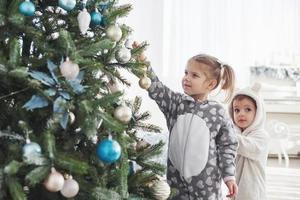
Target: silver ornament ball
x,y
123,55
54,182
70,188
123,113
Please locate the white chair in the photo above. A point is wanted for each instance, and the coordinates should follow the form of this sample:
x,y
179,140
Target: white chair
x,y
279,134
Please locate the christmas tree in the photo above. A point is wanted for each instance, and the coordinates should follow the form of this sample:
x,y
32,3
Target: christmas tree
x,y
66,127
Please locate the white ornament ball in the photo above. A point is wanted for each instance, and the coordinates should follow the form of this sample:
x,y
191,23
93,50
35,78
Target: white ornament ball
x,y
145,82
161,190
70,188
123,113
54,182
114,32
69,69
123,55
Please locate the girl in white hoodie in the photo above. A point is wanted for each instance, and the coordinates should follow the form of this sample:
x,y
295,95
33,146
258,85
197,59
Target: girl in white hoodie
x,y
248,114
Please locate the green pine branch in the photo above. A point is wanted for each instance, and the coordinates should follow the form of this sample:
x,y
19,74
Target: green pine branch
x,y
118,12
150,152
15,188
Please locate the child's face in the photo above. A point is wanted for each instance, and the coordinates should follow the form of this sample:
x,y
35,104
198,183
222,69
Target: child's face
x,y
244,111
195,82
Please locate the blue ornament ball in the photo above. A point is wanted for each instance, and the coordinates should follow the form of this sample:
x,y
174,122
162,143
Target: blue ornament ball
x,y
31,148
96,18
27,8
67,4
108,151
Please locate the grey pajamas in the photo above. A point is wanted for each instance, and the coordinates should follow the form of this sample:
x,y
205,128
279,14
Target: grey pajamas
x,y
202,144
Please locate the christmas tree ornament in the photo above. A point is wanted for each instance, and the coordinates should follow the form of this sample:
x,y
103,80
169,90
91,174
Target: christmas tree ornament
x,y
67,5
70,188
69,70
123,113
55,181
109,151
27,8
160,189
114,32
123,55
31,149
145,82
96,17
84,19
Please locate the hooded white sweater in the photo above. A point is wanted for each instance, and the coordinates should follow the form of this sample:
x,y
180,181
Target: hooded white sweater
x,y
252,153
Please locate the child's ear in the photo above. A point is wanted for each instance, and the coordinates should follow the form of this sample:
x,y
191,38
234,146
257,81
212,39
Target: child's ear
x,y
212,84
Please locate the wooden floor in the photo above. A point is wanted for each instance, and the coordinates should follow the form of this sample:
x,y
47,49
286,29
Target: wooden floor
x,y
283,183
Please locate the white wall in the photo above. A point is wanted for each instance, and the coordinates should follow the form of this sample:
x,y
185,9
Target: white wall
x,y
146,21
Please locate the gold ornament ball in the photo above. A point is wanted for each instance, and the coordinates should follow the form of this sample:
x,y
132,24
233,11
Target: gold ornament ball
x,y
123,113
54,182
145,82
70,188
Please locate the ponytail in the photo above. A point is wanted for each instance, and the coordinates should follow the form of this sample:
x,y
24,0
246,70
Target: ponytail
x,y
227,81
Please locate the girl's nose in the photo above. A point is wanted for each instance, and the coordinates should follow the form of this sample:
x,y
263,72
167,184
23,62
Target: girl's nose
x,y
241,113
186,78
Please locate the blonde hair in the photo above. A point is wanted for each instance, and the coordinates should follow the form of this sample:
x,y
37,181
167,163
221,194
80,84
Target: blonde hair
x,y
219,71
